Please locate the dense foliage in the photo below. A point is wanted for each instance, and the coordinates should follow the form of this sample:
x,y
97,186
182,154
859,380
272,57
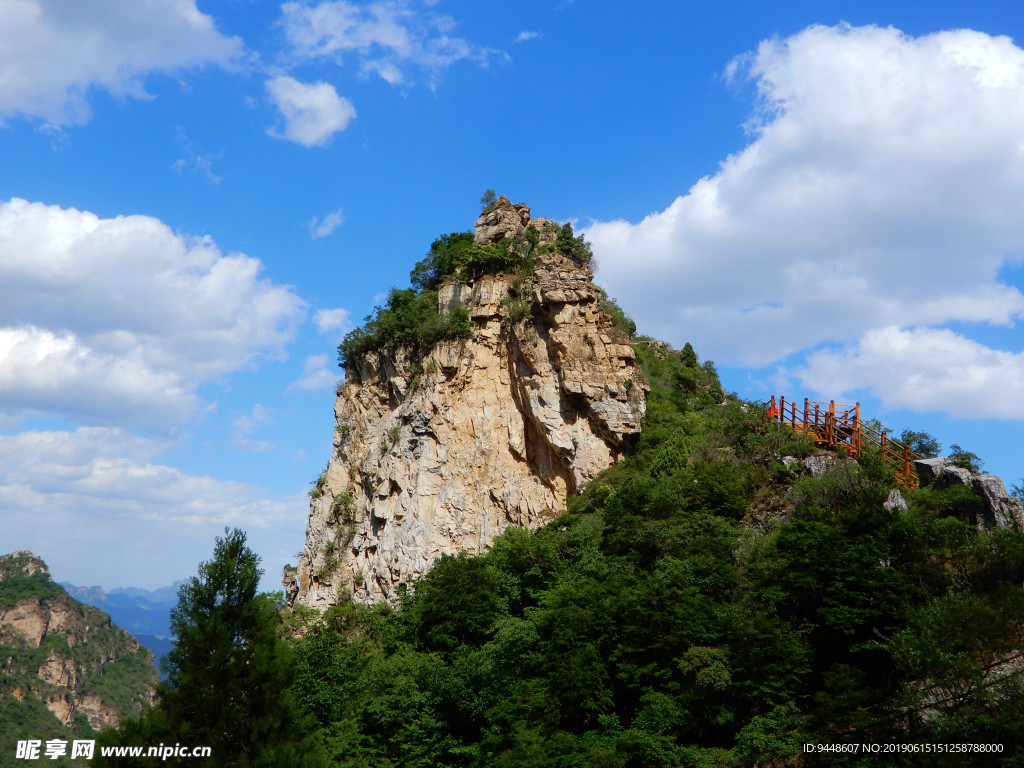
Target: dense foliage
x,y
409,320
654,626
15,585
227,676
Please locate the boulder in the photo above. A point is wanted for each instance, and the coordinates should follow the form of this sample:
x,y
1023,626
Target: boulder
x,y
1004,510
501,219
929,469
895,502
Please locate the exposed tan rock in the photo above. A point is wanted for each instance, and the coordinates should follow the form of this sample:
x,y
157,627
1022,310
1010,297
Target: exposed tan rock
x,y
62,706
99,715
58,682
501,219
25,620
59,671
494,431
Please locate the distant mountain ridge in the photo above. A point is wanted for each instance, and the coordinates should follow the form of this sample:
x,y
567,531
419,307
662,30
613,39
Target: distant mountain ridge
x,y
145,613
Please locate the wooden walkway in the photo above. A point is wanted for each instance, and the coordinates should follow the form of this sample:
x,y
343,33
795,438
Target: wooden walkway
x,y
839,424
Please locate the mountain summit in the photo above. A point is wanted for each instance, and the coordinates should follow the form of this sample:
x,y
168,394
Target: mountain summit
x,y
497,386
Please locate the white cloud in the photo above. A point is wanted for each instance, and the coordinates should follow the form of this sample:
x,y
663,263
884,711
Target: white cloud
x,y
333,321
41,370
923,369
330,222
525,35
315,375
97,489
884,186
52,52
244,426
118,321
196,161
312,113
388,39
200,164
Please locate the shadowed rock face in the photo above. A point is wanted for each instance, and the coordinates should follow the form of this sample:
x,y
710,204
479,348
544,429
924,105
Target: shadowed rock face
x,y
495,431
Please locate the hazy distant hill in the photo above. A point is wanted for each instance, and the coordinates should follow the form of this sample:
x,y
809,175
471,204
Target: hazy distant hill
x,y
145,613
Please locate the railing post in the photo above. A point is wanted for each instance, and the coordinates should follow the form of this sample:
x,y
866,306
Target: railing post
x,y
906,463
858,437
782,409
832,422
806,408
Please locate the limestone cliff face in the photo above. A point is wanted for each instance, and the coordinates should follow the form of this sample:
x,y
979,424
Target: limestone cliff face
x,y
440,455
64,653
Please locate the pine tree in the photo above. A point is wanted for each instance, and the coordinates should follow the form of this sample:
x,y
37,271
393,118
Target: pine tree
x,y
228,674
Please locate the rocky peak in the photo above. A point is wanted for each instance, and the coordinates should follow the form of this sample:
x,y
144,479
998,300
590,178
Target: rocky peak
x,y
500,219
441,454
22,563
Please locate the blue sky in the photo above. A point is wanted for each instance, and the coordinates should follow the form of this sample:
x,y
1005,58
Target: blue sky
x,y
198,199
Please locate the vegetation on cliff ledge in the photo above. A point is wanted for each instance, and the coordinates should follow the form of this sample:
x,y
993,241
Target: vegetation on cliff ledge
x,y
409,319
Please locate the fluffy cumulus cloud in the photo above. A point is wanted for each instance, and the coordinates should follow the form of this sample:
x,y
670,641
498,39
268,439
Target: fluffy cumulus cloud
x,y
312,112
924,369
100,490
395,41
53,52
883,188
118,321
333,321
315,375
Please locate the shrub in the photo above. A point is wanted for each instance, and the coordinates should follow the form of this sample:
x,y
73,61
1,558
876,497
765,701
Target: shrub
x,y
620,319
921,443
408,320
343,507
518,309
317,489
572,247
960,457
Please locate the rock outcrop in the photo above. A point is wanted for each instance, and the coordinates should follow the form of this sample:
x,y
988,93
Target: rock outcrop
x,y
58,651
441,454
1001,509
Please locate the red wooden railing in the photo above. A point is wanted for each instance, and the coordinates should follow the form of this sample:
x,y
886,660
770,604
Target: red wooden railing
x,y
835,423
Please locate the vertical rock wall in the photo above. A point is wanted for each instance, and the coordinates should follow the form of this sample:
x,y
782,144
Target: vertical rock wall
x,y
495,431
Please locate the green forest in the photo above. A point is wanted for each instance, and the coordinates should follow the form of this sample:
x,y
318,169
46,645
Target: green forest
x,y
649,627
701,603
